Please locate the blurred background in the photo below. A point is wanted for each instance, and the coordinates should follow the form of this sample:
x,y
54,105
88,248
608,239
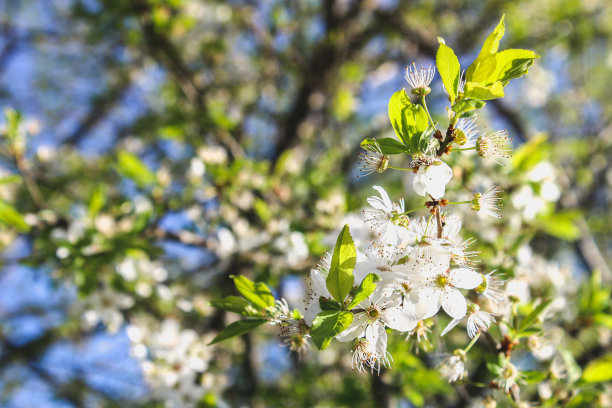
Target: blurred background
x,y
152,148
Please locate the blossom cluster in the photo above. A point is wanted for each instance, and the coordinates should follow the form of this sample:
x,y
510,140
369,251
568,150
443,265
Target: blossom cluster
x,y
424,268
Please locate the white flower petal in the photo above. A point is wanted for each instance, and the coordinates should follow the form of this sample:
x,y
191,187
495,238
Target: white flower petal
x,y
453,303
465,278
427,304
311,311
381,203
398,319
375,334
450,326
318,283
419,185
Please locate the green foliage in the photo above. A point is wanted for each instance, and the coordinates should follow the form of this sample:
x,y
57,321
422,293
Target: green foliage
x,y
409,121
465,107
130,166
236,329
492,70
532,317
365,289
234,304
9,216
449,69
327,325
257,293
340,278
599,370
386,144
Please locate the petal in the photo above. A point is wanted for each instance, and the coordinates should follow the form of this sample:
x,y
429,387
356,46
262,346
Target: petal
x,y
436,189
355,329
311,310
375,333
465,278
398,319
419,185
381,203
453,303
428,303
450,326
318,283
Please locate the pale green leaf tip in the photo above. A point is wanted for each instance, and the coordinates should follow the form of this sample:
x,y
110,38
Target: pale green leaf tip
x,y
441,41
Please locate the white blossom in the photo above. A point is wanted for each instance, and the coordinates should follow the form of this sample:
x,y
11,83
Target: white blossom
x,y
365,356
432,179
438,286
477,320
380,310
387,218
373,160
489,202
494,146
419,78
452,368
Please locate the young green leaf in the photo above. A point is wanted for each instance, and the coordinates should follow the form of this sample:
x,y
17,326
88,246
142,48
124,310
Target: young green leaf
x,y
130,166
340,278
327,325
257,293
407,119
234,304
473,90
387,145
599,370
329,304
12,218
449,69
236,329
489,48
531,317
512,63
466,105
367,286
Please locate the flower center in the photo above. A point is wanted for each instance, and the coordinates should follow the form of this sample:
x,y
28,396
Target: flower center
x,y
406,287
399,219
441,281
374,313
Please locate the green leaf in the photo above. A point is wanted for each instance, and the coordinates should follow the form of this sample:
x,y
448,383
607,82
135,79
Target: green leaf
x,y
13,178
528,155
12,218
327,325
328,304
466,105
561,224
474,90
406,118
603,319
257,293
367,286
531,317
236,329
97,200
533,377
449,69
599,370
234,304
387,145
489,48
512,63
130,166
340,279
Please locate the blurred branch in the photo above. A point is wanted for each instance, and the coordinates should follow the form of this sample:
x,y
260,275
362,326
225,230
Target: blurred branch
x,y
164,51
